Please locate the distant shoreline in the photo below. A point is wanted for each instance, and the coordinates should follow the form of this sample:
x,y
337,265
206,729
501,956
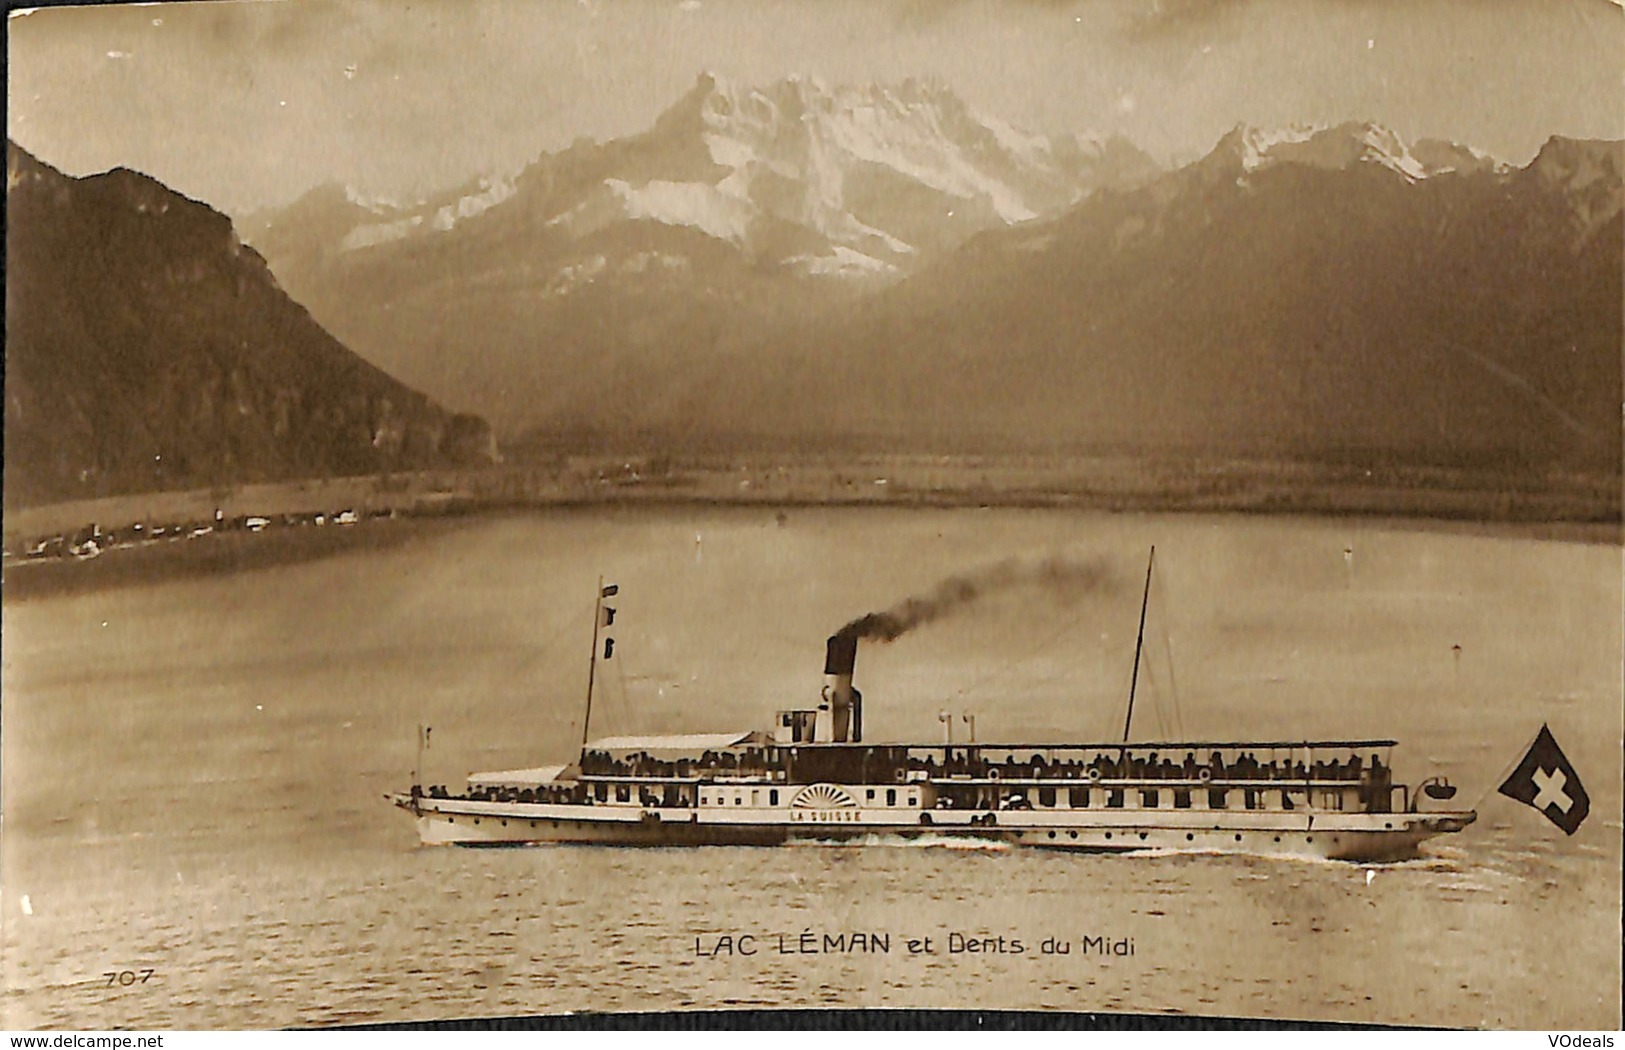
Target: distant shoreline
x,y
1105,483
204,532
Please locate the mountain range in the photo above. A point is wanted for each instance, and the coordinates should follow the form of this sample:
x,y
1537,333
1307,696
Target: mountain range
x,y
1338,302
820,265
853,182
147,348
821,268
614,267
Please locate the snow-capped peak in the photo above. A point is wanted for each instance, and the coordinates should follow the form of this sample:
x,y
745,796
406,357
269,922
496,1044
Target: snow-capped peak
x,y
834,179
837,145
487,192
840,179
375,203
1252,146
1442,157
1337,148
396,221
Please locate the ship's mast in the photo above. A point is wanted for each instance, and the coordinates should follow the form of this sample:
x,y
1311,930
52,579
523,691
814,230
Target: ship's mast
x,y
1139,643
592,668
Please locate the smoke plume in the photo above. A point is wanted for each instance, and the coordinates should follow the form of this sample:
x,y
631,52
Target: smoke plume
x,y
1056,578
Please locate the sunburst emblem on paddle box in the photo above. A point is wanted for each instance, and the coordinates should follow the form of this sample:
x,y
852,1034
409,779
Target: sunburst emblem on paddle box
x,y
823,796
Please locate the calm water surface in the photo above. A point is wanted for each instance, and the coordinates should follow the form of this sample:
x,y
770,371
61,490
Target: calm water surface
x,y
193,773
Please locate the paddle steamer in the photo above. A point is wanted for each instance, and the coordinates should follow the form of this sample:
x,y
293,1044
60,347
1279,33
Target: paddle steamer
x,y
813,777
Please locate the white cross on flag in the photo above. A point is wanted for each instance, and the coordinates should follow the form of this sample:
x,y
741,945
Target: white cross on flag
x,y
1545,781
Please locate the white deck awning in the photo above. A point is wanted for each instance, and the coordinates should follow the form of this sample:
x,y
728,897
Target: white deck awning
x,y
516,778
688,743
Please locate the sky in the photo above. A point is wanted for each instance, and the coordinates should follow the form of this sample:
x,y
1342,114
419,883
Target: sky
x,y
248,104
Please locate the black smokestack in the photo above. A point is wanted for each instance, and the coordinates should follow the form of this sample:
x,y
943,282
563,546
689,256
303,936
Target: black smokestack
x,y
1057,578
841,654
840,699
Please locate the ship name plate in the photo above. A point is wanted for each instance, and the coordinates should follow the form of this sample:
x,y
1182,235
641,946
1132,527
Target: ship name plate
x,y
827,816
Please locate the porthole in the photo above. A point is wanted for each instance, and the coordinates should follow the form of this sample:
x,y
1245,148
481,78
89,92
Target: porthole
x,y
1072,834
1142,836
1308,838
1189,837
1238,838
504,821
476,820
1389,825
1052,834
1108,835
533,823
1277,838
451,820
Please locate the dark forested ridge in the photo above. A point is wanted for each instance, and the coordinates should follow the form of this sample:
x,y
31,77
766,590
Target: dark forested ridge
x,y
146,348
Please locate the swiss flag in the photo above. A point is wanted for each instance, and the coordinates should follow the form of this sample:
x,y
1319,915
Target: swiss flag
x,y
1546,781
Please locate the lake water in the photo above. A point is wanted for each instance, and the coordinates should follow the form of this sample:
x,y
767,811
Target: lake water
x,y
194,773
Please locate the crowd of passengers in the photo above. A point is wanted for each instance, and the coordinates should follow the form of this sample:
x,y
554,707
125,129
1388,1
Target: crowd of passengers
x,y
748,763
1245,766
1103,766
552,793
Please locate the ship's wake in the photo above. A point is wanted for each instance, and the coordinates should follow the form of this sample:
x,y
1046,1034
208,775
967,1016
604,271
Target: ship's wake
x,y
1422,862
928,841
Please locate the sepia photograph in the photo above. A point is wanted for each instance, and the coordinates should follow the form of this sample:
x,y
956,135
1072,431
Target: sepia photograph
x,y
1109,509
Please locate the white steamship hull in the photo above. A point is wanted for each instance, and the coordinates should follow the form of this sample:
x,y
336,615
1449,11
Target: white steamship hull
x,y
814,778
1334,836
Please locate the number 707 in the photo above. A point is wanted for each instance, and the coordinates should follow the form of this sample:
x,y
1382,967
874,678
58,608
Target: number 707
x,y
125,978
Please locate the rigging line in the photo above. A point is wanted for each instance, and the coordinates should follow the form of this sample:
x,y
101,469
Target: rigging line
x,y
1173,685
1168,654
1156,702
1043,643
626,700
535,653
1124,682
1174,719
